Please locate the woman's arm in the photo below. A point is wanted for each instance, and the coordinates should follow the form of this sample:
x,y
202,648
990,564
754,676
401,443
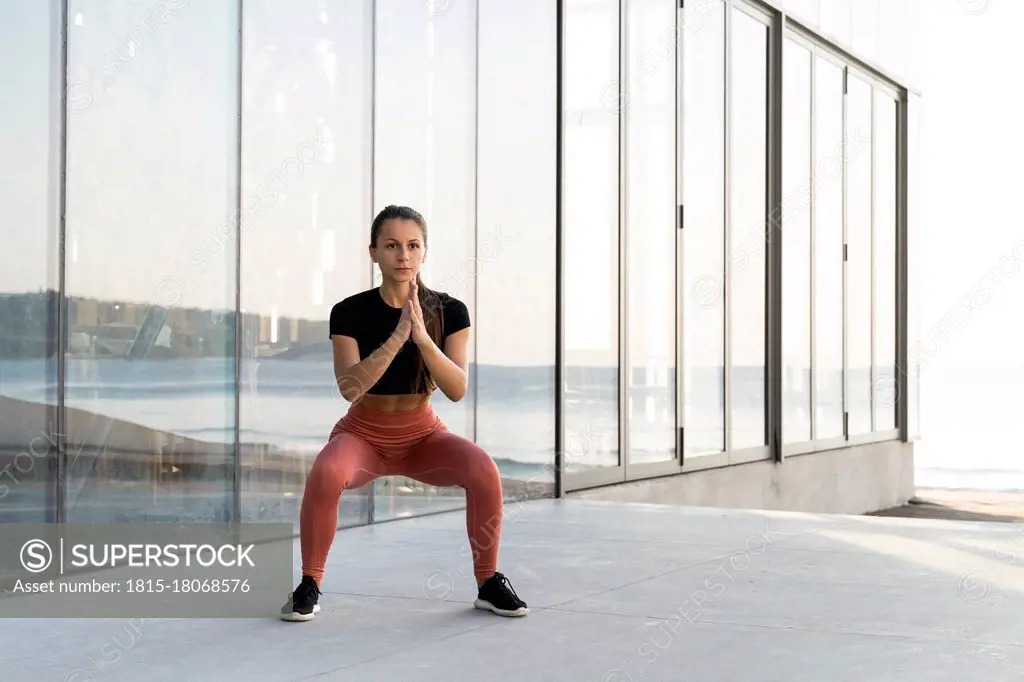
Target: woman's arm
x,y
355,377
448,368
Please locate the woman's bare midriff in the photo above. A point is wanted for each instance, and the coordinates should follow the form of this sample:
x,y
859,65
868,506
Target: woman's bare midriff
x,y
394,403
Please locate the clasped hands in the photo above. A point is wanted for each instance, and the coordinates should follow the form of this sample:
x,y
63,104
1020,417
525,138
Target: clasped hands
x,y
411,324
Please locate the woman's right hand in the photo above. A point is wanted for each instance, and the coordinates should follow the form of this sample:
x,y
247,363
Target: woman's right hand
x,y
404,328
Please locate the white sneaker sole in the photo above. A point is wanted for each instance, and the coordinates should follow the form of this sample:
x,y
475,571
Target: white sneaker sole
x,y
488,606
295,617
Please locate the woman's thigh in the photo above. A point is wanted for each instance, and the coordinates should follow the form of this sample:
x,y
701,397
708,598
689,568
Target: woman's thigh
x,y
348,460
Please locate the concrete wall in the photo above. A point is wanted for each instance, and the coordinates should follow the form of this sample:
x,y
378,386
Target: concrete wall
x,y
853,480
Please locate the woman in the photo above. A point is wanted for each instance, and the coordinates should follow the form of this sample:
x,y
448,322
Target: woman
x,y
393,346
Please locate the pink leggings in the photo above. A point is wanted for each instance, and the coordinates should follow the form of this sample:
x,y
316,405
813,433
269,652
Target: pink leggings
x,y
367,444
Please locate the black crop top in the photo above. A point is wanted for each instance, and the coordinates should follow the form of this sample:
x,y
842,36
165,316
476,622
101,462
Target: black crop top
x,y
368,319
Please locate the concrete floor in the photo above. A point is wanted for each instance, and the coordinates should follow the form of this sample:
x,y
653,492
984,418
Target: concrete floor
x,y
618,593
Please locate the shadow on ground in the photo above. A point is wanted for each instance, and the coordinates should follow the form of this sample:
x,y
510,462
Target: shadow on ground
x,y
961,505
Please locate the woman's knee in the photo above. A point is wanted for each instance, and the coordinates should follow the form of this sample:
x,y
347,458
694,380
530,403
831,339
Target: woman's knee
x,y
483,472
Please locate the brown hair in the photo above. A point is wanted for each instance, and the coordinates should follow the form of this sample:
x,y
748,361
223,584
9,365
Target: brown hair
x,y
430,302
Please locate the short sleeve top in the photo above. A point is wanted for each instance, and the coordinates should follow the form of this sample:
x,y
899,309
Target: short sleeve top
x,y
370,320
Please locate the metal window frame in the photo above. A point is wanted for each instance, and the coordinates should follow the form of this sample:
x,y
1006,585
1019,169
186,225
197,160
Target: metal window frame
x,y
236,469
58,473
683,462
775,449
903,369
820,46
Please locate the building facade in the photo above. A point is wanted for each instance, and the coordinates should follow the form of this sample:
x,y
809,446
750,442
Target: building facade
x,y
685,236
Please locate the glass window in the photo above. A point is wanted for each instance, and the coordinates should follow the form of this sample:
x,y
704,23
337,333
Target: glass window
x,y
593,98
796,243
515,382
884,243
828,250
858,259
150,261
305,228
425,157
29,261
704,227
748,146
652,216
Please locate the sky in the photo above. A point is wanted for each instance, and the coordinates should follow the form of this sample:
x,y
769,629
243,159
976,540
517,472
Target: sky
x,y
972,178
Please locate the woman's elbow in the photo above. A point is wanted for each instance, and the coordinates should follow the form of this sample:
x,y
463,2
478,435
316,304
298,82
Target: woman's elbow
x,y
349,388
458,392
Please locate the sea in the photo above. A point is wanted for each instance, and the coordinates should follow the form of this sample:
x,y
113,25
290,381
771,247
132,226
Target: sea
x,y
966,436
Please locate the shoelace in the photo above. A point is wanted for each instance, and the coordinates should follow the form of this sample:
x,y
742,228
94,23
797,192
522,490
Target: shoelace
x,y
508,589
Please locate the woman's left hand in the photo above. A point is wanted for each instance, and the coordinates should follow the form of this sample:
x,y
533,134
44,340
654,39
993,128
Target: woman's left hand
x,y
419,329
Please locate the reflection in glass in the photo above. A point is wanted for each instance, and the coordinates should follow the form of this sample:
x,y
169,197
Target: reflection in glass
x,y
515,243
748,146
593,99
652,225
28,262
884,141
796,243
306,224
150,269
704,232
858,265
424,157
828,250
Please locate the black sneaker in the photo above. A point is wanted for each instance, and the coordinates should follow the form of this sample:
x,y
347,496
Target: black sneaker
x,y
497,595
302,603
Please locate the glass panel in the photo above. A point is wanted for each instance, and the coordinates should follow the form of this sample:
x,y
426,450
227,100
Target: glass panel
x,y
29,264
748,129
915,233
796,243
151,202
884,141
591,233
515,382
828,250
704,233
652,225
424,157
858,265
306,217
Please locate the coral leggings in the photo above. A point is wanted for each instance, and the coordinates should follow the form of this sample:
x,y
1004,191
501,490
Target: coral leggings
x,y
366,444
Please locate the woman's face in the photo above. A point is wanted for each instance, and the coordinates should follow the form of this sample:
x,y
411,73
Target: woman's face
x,y
400,250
